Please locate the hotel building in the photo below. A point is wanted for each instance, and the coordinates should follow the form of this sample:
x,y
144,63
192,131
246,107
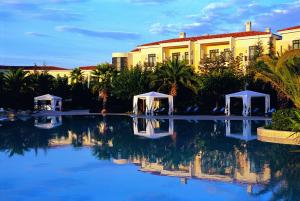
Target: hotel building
x,y
195,49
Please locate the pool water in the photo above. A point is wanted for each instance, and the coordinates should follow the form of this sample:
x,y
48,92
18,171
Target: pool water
x,y
123,158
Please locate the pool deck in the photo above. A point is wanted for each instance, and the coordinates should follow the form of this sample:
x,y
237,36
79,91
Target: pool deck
x,y
178,117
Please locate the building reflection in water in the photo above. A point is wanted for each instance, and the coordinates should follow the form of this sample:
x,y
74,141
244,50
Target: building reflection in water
x,y
153,128
204,150
48,122
215,166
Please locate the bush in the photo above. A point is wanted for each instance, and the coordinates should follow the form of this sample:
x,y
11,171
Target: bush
x,y
281,119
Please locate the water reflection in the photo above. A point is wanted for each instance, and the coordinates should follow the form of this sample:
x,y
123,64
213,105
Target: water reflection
x,y
48,122
189,150
153,128
243,129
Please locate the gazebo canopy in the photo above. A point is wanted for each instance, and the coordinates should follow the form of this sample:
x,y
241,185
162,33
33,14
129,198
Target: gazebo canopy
x,y
47,97
246,96
149,99
247,93
56,102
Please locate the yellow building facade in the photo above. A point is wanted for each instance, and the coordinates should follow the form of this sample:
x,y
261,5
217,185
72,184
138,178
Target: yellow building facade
x,y
195,49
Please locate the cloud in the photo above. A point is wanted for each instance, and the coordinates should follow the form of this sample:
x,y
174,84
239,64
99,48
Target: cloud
x,y
36,34
116,35
230,16
216,5
158,28
40,10
57,15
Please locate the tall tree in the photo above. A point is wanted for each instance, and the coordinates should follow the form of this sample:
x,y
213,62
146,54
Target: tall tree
x,y
130,82
41,82
16,80
102,78
17,86
76,76
282,73
172,74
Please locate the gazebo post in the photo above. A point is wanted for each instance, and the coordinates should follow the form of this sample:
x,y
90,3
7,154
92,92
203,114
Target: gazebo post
x,y
249,105
267,103
135,100
170,100
245,107
227,105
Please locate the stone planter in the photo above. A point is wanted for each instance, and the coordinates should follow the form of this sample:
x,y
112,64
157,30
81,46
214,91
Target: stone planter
x,y
277,136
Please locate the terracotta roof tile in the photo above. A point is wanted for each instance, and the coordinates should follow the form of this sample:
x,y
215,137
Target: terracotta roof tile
x,y
195,38
289,28
45,68
87,67
135,50
33,67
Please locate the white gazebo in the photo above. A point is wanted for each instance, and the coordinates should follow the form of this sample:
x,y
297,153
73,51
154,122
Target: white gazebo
x,y
246,97
42,102
149,99
153,128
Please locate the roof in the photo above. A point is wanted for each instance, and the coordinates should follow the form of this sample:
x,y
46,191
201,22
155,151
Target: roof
x,y
290,28
195,38
247,93
47,97
135,50
87,68
45,68
154,94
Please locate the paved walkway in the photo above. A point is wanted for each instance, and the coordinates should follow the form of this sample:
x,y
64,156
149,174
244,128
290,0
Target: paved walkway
x,y
183,117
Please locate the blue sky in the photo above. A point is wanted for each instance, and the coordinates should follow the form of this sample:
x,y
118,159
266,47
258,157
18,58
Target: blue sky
x,y
71,33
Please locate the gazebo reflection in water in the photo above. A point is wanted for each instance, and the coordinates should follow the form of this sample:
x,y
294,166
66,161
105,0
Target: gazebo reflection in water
x,y
243,129
48,122
153,128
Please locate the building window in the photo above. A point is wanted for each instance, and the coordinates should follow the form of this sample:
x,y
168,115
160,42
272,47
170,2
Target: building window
x,y
175,56
151,60
119,62
186,57
252,52
213,54
227,54
296,44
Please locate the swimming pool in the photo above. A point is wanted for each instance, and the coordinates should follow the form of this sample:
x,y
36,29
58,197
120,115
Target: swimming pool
x,y
124,158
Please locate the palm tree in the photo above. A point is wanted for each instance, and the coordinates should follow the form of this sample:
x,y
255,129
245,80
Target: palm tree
x,y
130,82
41,83
173,73
282,73
102,78
16,80
76,76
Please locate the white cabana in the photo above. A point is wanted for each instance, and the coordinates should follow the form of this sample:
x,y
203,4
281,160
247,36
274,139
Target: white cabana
x,y
149,99
42,102
246,97
152,128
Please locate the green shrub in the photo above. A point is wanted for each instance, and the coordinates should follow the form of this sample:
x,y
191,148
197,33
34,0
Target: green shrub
x,y
281,119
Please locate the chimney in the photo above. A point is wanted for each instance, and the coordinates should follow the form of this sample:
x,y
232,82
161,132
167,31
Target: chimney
x,y
182,35
248,26
268,29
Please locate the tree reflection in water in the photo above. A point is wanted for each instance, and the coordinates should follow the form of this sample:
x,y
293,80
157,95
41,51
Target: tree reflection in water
x,y
196,150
